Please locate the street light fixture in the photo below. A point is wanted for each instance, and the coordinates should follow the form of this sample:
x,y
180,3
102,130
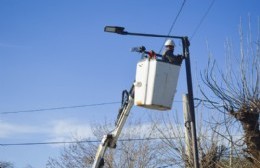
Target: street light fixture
x,y
186,54
115,29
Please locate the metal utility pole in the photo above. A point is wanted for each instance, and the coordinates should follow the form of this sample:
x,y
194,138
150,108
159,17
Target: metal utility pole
x,y
186,54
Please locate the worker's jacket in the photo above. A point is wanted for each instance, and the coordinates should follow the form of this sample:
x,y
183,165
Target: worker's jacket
x,y
168,56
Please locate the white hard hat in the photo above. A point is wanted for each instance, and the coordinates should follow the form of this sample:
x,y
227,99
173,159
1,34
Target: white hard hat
x,y
169,42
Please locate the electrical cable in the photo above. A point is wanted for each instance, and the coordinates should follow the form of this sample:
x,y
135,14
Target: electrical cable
x,y
174,22
89,141
81,141
57,108
177,16
46,143
202,19
60,108
73,107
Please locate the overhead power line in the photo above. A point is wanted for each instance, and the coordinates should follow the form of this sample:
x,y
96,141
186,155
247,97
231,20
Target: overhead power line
x,y
82,141
202,19
94,141
177,16
47,143
175,20
57,108
75,106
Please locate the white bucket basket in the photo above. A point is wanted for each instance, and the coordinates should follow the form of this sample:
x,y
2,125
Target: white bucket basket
x,y
155,84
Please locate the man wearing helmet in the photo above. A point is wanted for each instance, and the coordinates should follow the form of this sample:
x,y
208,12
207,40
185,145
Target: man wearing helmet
x,y
168,55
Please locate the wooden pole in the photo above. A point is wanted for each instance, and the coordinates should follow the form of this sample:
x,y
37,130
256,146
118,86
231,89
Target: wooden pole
x,y
188,135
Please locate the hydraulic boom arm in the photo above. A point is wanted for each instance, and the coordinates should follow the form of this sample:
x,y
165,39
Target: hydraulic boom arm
x,y
110,139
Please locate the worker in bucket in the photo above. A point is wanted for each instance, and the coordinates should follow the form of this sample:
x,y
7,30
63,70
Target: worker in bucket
x,y
168,55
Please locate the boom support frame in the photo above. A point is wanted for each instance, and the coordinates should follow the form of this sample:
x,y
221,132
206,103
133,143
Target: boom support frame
x,y
110,140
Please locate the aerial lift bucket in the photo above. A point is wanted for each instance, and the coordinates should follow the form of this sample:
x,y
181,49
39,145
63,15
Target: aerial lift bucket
x,y
155,84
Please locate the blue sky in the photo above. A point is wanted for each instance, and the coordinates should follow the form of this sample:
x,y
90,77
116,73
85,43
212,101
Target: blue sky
x,y
56,54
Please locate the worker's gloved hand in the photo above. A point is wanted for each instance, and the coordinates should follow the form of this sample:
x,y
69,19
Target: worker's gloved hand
x,y
178,59
180,56
142,49
151,54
